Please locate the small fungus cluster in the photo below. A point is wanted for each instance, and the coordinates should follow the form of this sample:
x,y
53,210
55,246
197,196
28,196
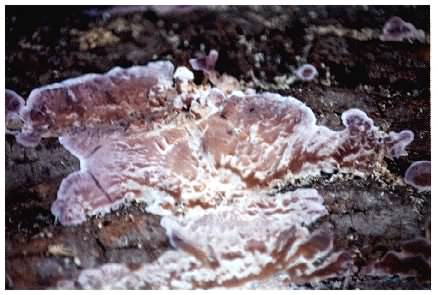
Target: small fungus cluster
x,y
207,65
207,160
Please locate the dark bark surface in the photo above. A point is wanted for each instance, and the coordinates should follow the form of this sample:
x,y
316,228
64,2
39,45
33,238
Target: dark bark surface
x,y
388,80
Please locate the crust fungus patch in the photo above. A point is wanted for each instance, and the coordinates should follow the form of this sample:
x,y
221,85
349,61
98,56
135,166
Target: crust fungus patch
x,y
246,142
134,144
234,245
396,29
418,175
139,94
306,72
14,104
207,160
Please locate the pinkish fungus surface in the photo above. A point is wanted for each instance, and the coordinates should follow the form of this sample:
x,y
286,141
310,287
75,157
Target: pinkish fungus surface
x,y
236,145
396,29
306,72
208,161
117,98
418,175
224,147
206,63
14,104
233,245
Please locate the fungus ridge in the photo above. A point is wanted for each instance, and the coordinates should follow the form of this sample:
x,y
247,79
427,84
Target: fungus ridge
x,y
139,94
133,143
207,161
249,142
233,245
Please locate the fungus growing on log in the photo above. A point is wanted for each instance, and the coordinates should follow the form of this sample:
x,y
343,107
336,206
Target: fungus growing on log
x,y
254,141
396,29
140,94
208,161
306,72
418,175
412,261
224,148
207,64
251,240
14,104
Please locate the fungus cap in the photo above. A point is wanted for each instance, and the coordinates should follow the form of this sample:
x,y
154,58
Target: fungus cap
x,y
418,175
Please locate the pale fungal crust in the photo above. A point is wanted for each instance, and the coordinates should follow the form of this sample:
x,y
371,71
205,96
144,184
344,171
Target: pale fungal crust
x,y
207,160
306,72
418,175
139,94
396,29
14,104
221,147
413,260
233,245
183,74
242,143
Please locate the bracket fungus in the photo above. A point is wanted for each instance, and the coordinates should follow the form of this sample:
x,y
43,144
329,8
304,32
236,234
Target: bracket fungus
x,y
418,175
396,29
207,160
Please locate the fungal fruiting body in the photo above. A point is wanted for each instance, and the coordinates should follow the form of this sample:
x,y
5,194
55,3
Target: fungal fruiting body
x,y
233,245
239,143
207,160
117,98
418,175
306,72
207,64
14,104
396,29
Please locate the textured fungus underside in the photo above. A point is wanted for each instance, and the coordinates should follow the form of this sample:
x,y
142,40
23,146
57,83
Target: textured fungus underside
x,y
117,98
233,245
206,161
251,142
